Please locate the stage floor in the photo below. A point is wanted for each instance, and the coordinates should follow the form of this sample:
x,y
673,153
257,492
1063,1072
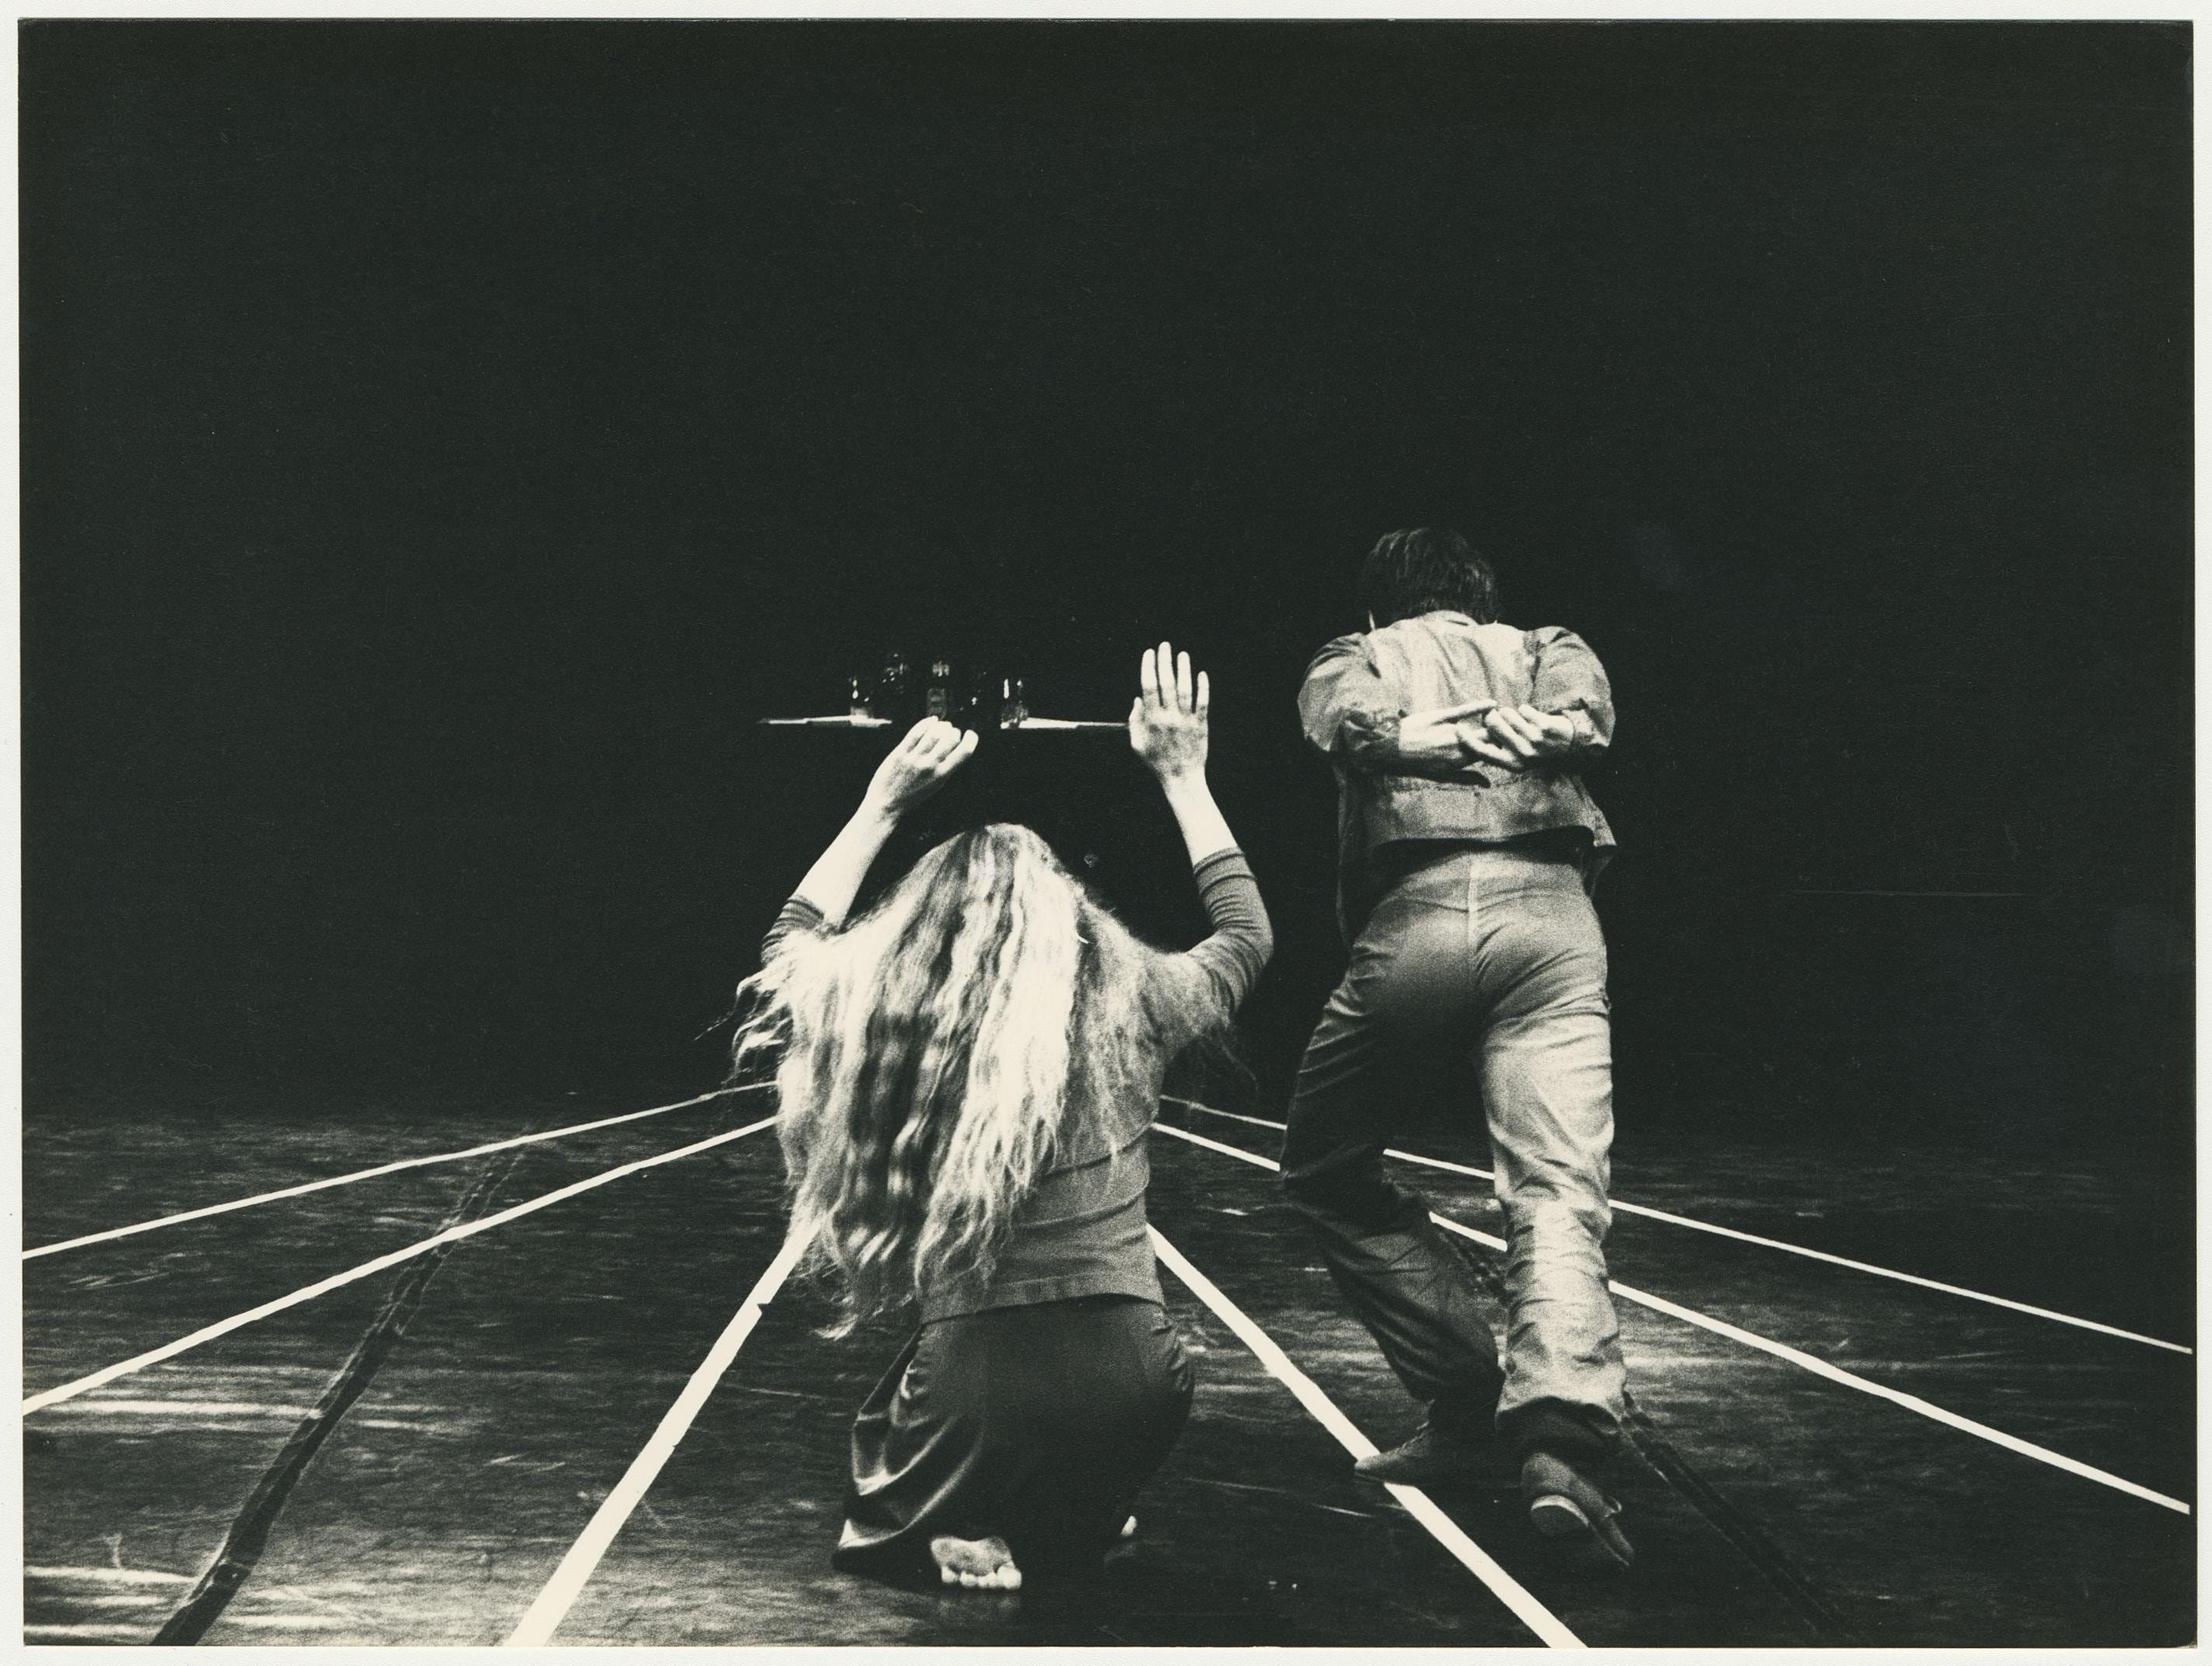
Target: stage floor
x,y
1819,1454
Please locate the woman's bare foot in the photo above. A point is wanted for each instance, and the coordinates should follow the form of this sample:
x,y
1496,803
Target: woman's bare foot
x,y
1129,1527
976,1564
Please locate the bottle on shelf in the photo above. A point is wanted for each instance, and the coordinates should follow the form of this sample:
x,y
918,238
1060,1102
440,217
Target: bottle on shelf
x,y
895,692
856,700
978,706
1013,705
939,703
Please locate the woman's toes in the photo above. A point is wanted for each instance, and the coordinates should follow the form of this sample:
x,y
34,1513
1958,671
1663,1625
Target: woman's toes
x,y
975,1564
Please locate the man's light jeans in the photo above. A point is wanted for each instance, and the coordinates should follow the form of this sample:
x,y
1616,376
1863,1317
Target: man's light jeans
x,y
1490,959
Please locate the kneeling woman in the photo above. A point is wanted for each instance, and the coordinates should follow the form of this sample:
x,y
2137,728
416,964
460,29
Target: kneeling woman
x,y
968,1073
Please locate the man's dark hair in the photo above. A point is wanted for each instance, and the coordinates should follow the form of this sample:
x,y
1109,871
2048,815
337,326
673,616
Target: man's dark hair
x,y
1426,570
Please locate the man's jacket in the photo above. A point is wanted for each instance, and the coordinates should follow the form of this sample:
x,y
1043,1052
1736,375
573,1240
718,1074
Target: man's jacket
x,y
1357,689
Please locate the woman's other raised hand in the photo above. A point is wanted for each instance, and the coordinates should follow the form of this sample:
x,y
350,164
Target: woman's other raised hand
x,y
920,763
1167,720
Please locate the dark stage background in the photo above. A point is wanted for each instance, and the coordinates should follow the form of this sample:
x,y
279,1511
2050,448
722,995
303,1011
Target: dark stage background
x,y
441,442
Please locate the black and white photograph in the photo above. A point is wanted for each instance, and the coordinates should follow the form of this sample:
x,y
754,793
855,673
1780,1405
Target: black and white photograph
x,y
1155,832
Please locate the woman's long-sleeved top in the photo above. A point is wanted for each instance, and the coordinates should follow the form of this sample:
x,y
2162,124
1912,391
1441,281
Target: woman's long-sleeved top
x,y
1081,1230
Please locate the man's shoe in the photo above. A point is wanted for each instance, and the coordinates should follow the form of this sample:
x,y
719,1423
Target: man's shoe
x,y
1434,1456
1563,1504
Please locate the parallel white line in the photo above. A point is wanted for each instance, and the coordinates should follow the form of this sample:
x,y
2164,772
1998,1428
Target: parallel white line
x,y
1765,1344
371,1174
38,1402
1231,1115
1447,1532
560,1593
1819,1367
1766,1243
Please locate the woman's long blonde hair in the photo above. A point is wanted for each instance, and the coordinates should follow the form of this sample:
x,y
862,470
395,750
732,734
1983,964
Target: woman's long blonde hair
x,y
938,1049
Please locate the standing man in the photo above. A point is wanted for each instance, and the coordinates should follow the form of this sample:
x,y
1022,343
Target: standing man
x,y
1467,844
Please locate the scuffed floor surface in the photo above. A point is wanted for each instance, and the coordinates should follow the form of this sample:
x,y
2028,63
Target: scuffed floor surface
x,y
1770,1505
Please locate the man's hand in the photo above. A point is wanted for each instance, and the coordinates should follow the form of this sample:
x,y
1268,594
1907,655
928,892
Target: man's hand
x,y
1438,737
917,767
1448,743
1521,735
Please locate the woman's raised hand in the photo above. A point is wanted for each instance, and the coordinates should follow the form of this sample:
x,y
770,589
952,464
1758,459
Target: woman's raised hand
x,y
918,766
1167,720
